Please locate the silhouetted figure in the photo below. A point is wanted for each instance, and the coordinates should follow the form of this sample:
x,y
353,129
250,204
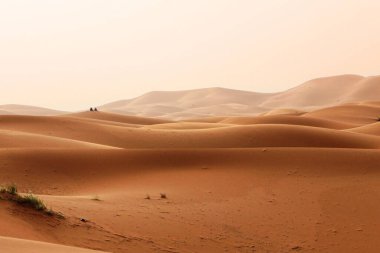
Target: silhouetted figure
x,y
91,110
96,109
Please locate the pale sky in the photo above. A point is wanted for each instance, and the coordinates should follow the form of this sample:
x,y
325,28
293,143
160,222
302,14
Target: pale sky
x,y
71,54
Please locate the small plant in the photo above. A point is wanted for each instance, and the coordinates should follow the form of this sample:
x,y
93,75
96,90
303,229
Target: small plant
x,y
163,195
96,198
147,196
11,189
10,193
50,212
33,201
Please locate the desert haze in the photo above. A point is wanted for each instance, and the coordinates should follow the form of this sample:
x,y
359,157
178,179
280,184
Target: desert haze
x,y
207,170
216,101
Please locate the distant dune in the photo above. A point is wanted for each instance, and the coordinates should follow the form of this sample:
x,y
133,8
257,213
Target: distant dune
x,y
209,102
27,110
317,93
191,103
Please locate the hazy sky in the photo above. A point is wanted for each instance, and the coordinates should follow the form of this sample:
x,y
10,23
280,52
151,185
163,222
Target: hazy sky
x,y
70,54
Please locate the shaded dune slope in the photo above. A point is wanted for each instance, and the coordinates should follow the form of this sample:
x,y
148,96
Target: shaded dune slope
x,y
85,170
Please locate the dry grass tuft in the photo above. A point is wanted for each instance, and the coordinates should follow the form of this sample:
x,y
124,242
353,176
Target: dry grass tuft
x,y
10,193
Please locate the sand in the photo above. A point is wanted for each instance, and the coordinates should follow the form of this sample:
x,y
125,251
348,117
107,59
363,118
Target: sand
x,y
209,102
11,109
297,182
167,106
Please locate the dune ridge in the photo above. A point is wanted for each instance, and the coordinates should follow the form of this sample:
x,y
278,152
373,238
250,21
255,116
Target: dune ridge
x,y
311,95
217,101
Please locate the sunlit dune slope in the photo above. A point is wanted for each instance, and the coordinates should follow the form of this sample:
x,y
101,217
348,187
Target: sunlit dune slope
x,y
260,135
119,118
27,110
359,114
12,245
372,129
323,91
187,125
15,139
287,120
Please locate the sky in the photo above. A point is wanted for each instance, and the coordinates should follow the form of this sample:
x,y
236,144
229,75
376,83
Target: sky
x,y
72,54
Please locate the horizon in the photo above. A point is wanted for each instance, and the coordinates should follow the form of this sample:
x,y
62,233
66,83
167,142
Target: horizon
x,y
66,55
212,87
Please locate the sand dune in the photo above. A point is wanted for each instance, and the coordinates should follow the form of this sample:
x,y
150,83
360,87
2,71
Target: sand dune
x,y
271,183
318,92
187,125
260,135
119,118
15,139
287,120
283,111
313,193
209,102
27,110
3,112
314,94
358,114
11,245
192,103
372,129
327,91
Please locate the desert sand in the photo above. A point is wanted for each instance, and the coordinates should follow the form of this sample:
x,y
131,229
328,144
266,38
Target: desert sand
x,y
295,182
14,109
309,96
208,103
